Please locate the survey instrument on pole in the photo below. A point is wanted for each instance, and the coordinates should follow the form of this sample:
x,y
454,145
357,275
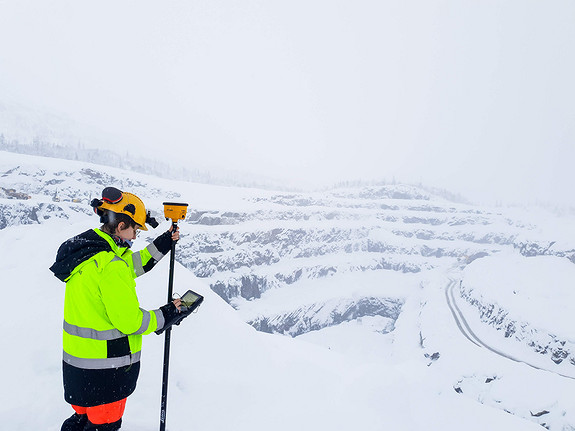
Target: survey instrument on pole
x,y
175,211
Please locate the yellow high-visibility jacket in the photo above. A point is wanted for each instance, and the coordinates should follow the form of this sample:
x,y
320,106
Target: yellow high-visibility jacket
x,y
103,321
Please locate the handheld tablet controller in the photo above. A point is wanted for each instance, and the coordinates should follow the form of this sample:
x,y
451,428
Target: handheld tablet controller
x,y
190,302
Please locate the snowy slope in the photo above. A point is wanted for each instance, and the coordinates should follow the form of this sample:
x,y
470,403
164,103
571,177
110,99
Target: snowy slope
x,y
408,370
529,301
224,374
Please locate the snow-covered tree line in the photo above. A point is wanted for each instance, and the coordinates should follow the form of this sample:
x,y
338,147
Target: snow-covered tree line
x,y
42,147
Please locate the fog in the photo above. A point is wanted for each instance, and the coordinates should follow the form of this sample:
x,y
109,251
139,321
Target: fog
x,y
473,96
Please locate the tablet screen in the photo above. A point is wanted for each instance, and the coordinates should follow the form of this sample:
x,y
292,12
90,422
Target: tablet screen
x,y
189,298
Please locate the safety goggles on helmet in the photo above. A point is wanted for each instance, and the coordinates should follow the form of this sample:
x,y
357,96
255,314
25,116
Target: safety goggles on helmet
x,y
123,203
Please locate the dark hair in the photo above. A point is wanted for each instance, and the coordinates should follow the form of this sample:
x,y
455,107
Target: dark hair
x,y
113,220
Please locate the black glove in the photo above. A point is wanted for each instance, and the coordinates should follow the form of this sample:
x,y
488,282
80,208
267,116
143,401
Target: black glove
x,y
164,242
171,316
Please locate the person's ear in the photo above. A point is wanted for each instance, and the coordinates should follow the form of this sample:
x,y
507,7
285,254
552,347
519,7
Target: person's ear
x,y
121,226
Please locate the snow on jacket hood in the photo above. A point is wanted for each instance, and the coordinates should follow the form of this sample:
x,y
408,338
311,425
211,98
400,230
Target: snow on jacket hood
x,y
76,250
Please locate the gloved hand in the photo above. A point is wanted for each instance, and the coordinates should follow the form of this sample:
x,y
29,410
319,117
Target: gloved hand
x,y
172,316
164,242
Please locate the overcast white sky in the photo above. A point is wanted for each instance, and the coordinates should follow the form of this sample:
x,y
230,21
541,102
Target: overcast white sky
x,y
475,96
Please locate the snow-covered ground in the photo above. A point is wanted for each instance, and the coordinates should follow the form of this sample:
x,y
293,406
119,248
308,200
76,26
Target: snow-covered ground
x,y
542,285
418,372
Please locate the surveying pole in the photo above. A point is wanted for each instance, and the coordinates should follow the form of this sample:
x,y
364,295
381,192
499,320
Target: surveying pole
x,y
172,211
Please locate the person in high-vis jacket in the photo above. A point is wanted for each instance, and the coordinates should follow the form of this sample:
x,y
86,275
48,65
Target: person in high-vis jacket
x,y
103,321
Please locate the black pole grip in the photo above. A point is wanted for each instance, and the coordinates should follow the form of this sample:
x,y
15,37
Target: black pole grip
x,y
172,261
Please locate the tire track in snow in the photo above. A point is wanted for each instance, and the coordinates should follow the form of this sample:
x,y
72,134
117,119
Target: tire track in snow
x,y
458,318
471,336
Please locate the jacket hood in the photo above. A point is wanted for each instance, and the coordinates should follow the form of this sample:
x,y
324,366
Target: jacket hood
x,y
77,250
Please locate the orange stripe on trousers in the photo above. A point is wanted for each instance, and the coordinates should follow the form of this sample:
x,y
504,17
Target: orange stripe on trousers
x,y
103,414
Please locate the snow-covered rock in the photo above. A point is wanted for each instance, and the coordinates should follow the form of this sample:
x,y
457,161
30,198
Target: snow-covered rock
x,y
527,299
